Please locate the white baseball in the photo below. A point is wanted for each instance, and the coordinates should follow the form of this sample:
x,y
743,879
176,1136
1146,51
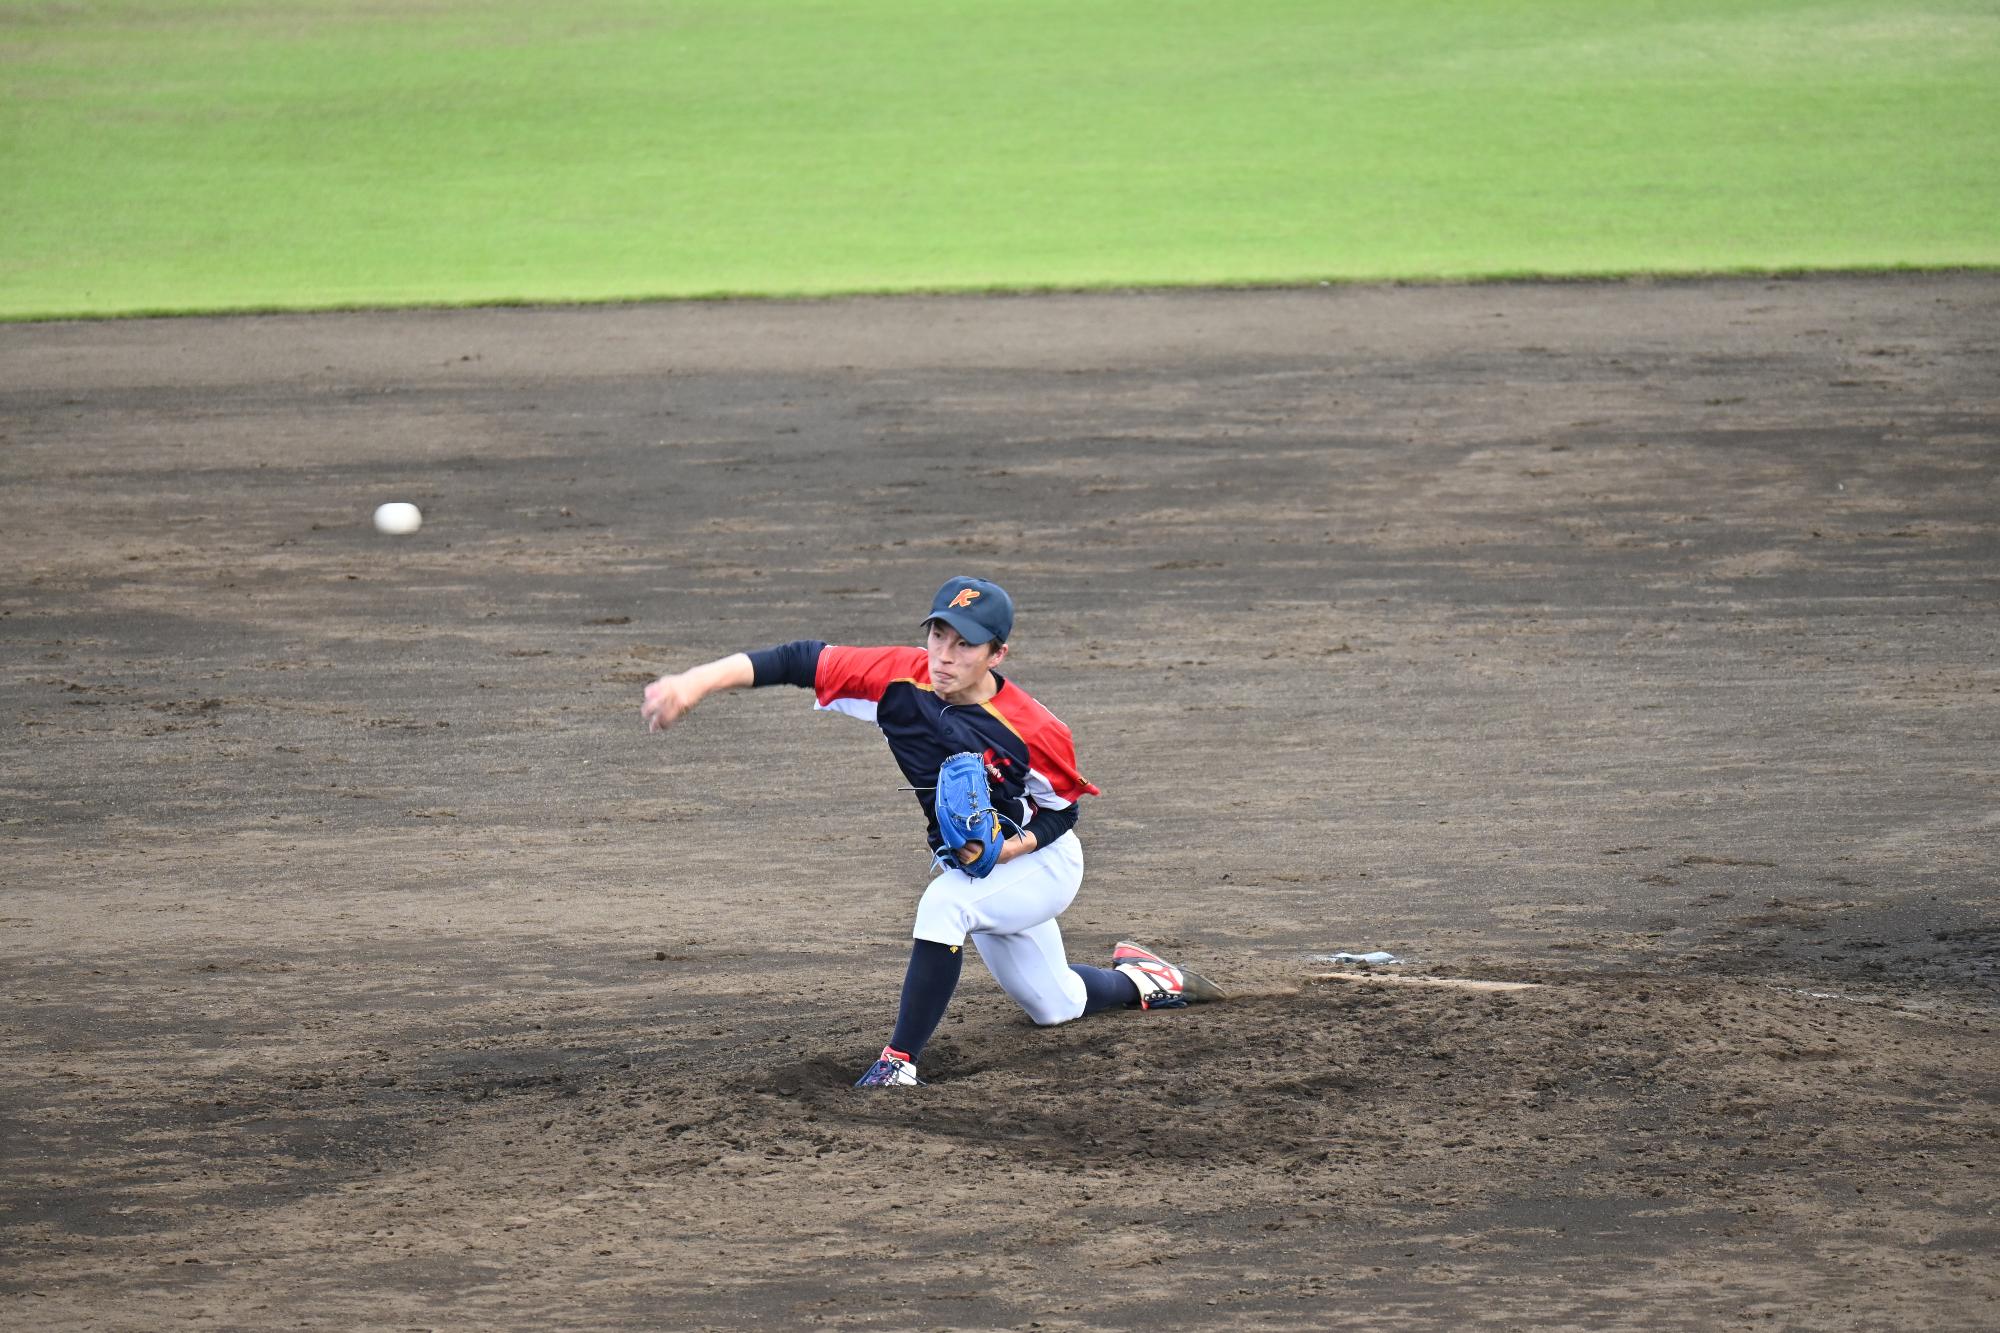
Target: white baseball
x,y
398,519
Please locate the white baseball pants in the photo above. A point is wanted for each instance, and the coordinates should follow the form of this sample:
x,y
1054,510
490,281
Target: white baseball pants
x,y
1010,916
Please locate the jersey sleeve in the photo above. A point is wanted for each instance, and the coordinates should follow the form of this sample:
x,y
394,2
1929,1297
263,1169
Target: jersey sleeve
x,y
853,680
1053,781
794,663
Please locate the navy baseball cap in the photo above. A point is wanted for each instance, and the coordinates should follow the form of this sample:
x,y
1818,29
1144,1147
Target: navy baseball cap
x,y
978,610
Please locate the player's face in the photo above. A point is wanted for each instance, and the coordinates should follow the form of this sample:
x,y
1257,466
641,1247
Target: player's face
x,y
957,666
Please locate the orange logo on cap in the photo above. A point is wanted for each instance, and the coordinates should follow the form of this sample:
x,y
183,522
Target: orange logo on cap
x,y
966,597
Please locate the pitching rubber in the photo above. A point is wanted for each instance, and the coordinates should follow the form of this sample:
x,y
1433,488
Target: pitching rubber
x,y
1455,983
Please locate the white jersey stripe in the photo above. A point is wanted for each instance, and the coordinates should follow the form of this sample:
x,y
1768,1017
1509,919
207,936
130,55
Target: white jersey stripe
x,y
861,708
1038,790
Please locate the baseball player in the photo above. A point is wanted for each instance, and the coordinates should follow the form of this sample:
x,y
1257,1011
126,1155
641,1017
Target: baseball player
x,y
931,703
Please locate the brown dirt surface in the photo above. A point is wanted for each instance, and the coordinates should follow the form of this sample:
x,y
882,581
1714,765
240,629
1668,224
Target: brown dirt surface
x,y
366,965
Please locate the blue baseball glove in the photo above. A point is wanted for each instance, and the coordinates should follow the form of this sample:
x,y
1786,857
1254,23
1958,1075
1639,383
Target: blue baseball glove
x,y
965,814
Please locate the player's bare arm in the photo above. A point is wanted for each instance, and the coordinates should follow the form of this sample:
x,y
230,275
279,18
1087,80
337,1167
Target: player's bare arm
x,y
669,698
1019,845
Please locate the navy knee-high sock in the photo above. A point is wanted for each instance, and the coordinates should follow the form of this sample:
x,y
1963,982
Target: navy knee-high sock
x,y
927,989
1105,988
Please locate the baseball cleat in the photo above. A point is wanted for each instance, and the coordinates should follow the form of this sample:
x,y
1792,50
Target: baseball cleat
x,y
1161,984
891,1070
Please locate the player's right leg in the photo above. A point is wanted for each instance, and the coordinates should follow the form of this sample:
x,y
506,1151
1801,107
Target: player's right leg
x,y
1161,984
1031,967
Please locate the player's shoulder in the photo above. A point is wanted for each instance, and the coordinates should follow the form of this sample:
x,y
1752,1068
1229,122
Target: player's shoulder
x,y
1025,713
1051,748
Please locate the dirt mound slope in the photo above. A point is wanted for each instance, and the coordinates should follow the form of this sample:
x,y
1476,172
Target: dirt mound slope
x,y
366,965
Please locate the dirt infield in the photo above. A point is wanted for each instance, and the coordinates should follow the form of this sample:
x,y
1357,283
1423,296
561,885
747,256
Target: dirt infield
x,y
366,965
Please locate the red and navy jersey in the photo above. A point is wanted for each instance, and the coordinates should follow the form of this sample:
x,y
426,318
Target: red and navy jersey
x,y
1027,745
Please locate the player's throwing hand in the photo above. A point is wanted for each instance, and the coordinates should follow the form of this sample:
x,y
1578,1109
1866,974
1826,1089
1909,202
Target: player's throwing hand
x,y
669,698
667,702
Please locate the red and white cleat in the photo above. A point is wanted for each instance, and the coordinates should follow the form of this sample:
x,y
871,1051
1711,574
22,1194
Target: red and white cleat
x,y
892,1070
1161,984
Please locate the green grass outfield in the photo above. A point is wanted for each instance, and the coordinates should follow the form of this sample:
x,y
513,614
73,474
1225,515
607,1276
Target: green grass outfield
x,y
178,155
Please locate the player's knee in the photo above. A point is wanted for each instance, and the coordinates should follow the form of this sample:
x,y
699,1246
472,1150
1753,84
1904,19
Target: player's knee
x,y
1047,1011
